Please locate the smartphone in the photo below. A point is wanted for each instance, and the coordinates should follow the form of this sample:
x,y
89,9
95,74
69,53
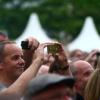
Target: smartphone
x,y
24,45
54,48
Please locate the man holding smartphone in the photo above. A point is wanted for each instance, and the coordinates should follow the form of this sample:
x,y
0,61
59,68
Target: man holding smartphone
x,y
60,64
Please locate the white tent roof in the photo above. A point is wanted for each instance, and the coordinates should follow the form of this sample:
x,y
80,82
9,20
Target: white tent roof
x,y
34,29
88,38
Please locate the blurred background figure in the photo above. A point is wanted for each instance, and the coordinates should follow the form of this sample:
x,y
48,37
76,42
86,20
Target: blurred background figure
x,y
93,57
92,91
43,70
50,87
81,70
76,54
3,36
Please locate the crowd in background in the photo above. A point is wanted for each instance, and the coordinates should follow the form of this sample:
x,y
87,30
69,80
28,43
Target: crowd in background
x,y
31,73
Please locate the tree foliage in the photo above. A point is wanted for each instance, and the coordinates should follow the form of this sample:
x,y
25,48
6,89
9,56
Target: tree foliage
x,y
62,19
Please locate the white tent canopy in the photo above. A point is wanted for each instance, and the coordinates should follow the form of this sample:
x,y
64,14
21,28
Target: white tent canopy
x,y
88,38
34,29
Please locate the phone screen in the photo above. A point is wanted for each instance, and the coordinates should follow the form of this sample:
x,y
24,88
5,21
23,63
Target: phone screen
x,y
54,48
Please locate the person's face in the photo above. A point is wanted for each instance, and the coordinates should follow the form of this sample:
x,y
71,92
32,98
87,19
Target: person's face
x,y
2,37
79,54
54,93
13,62
83,75
93,60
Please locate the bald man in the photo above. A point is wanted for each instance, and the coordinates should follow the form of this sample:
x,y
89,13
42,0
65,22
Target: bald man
x,y
81,70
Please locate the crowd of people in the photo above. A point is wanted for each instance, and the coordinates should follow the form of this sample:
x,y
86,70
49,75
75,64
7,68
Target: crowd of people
x,y
33,73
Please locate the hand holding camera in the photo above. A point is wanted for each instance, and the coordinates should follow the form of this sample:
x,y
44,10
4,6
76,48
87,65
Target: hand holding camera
x,y
60,65
30,44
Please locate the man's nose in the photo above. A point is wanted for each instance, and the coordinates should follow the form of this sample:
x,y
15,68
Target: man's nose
x,y
22,62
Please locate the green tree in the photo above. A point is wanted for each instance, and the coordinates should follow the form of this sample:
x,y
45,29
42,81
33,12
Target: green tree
x,y
62,19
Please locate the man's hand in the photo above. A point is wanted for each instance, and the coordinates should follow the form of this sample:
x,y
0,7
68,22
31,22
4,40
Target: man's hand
x,y
32,43
28,54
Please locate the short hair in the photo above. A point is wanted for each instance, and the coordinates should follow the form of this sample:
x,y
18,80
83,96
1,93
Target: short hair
x,y
2,46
